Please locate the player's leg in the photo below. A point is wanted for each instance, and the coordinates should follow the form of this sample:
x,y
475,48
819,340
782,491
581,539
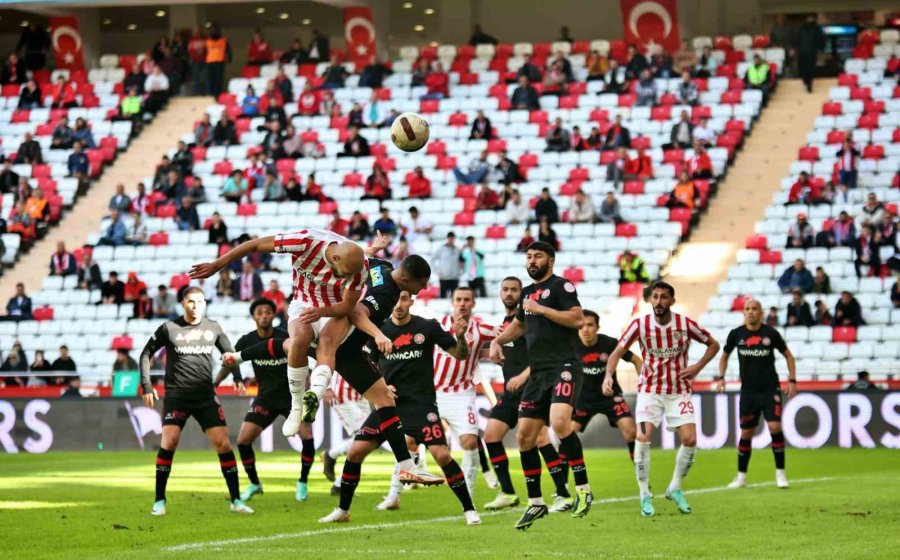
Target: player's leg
x,y
650,411
332,334
494,433
392,500
526,437
218,436
246,436
558,469
490,479
307,456
749,413
297,371
778,451
352,414
391,429
686,429
570,445
628,429
361,448
171,435
458,410
455,480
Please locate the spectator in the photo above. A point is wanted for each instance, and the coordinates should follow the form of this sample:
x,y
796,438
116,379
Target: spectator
x,y
34,44
822,316
112,291
873,211
555,79
841,234
13,71
895,293
566,66
313,190
83,134
337,224
847,311
687,90
377,186
577,142
29,151
564,35
528,70
757,76
156,90
596,65
63,135
22,223
617,136
275,294
700,165
135,80
373,74
133,287
62,262
9,179
479,37
64,362
487,199
196,51
618,170
682,134
546,207
641,166
526,241
645,90
258,51
420,72
183,159
888,227
130,109
235,187
186,216
78,164
356,145
271,145
225,132
706,64
810,41
385,225
319,48
800,234
14,364
685,194
481,127
163,303
196,192
476,172
610,211
507,171
172,185
632,269
248,285
218,231
23,191
375,112
524,96
225,286
614,79
334,74
40,364
685,59
804,191
416,228
120,200
821,282
30,96
660,63
517,210
637,63
203,131
358,230
848,158
19,308
473,267
38,207
582,209
115,231
703,133
447,263
124,361
772,318
218,52
558,137
547,234
273,191
867,253
63,94
798,311
419,185
795,277
293,190
293,143
89,277
275,110
438,83
137,231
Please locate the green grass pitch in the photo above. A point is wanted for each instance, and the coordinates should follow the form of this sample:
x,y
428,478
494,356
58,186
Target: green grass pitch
x,y
842,504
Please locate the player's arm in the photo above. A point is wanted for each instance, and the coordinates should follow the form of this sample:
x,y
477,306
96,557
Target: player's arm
x,y
156,341
225,371
260,245
349,299
461,350
360,319
712,348
612,363
514,330
572,318
517,382
224,345
637,362
791,365
488,391
730,344
379,242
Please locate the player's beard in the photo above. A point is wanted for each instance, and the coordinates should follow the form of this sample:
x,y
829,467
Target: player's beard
x,y
660,311
537,272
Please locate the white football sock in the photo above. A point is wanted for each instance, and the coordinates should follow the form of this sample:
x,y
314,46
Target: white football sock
x,y
320,380
683,462
340,449
396,485
642,466
297,384
470,468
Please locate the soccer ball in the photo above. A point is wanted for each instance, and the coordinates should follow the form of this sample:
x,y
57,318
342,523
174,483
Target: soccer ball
x,y
409,132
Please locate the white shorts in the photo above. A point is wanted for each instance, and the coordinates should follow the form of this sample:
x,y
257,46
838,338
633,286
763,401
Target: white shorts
x,y
678,409
353,414
458,409
295,309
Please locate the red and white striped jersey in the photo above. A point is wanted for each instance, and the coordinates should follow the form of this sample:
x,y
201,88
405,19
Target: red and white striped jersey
x,y
314,280
452,375
665,351
342,390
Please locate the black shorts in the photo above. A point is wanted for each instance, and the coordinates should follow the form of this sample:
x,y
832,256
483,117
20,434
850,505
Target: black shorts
x,y
350,362
507,409
559,385
614,408
421,422
752,404
205,409
263,412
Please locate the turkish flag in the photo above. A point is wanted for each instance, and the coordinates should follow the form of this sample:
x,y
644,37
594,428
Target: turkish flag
x,y
360,34
66,42
651,22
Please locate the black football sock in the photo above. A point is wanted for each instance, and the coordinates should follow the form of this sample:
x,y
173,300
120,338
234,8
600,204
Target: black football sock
x,y
778,449
349,482
557,469
501,466
482,457
391,431
457,482
745,448
531,468
631,450
268,349
307,456
230,472
571,446
163,468
248,458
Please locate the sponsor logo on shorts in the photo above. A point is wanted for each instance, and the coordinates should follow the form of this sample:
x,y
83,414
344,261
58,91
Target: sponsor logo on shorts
x,y
432,417
175,415
419,338
566,376
618,398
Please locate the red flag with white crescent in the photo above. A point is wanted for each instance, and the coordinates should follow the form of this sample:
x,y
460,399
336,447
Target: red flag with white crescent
x,y
65,39
651,23
360,35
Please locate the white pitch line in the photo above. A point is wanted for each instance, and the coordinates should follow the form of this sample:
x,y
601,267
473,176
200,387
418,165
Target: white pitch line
x,y
444,519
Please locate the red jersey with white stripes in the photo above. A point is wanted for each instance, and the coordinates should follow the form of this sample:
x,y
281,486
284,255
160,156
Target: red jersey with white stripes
x,y
314,281
452,375
665,351
343,392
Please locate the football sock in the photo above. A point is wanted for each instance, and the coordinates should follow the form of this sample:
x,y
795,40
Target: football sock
x,y
248,458
683,461
320,380
340,449
396,485
642,466
307,456
272,348
470,468
482,457
778,449
631,450
571,446
163,468
391,430
230,472
557,469
531,468
745,448
297,384
349,482
501,466
457,482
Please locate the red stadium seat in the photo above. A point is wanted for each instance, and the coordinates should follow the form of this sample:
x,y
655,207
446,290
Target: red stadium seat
x,y
179,281
446,162
20,116
465,191
633,187
160,237
123,342
757,241
495,232
673,156
730,97
427,106
43,313
577,88
40,170
568,102
701,112
832,108
663,113
327,207
165,211
599,115
874,106
627,100
722,43
222,168
340,122
429,292
436,147
733,57
574,274
680,215
569,189
873,151
579,174
809,153
725,70
760,41
639,142
496,146
246,209
843,334
464,219
581,47
668,99
868,121
528,160
11,90
458,119
626,230
861,93
227,99
738,303
250,72
770,257
632,289
835,136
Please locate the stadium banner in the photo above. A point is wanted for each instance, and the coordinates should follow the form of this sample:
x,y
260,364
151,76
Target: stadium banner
x,y
651,23
65,39
359,31
810,420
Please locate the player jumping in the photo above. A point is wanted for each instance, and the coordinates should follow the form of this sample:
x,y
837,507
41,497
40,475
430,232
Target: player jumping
x,y
549,316
760,389
664,387
189,342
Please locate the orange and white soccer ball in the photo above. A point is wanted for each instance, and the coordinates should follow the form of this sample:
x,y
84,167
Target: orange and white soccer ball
x,y
409,132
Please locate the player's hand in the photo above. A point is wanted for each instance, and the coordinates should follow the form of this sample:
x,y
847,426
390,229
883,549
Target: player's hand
x,y
151,397
496,353
720,386
329,397
531,306
204,270
311,314
379,243
241,388
393,390
460,327
516,383
384,344
608,386
791,390
689,372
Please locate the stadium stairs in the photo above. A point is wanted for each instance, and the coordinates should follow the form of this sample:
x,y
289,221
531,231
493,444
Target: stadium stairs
x,y
703,262
130,168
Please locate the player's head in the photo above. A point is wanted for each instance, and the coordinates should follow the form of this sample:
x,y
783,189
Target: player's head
x,y
193,302
539,259
401,309
347,260
263,312
510,292
590,327
414,273
662,297
463,301
753,313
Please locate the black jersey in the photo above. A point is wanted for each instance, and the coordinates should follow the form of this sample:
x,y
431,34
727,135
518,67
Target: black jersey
x,y
549,343
270,373
189,348
409,367
756,356
515,353
381,292
593,362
